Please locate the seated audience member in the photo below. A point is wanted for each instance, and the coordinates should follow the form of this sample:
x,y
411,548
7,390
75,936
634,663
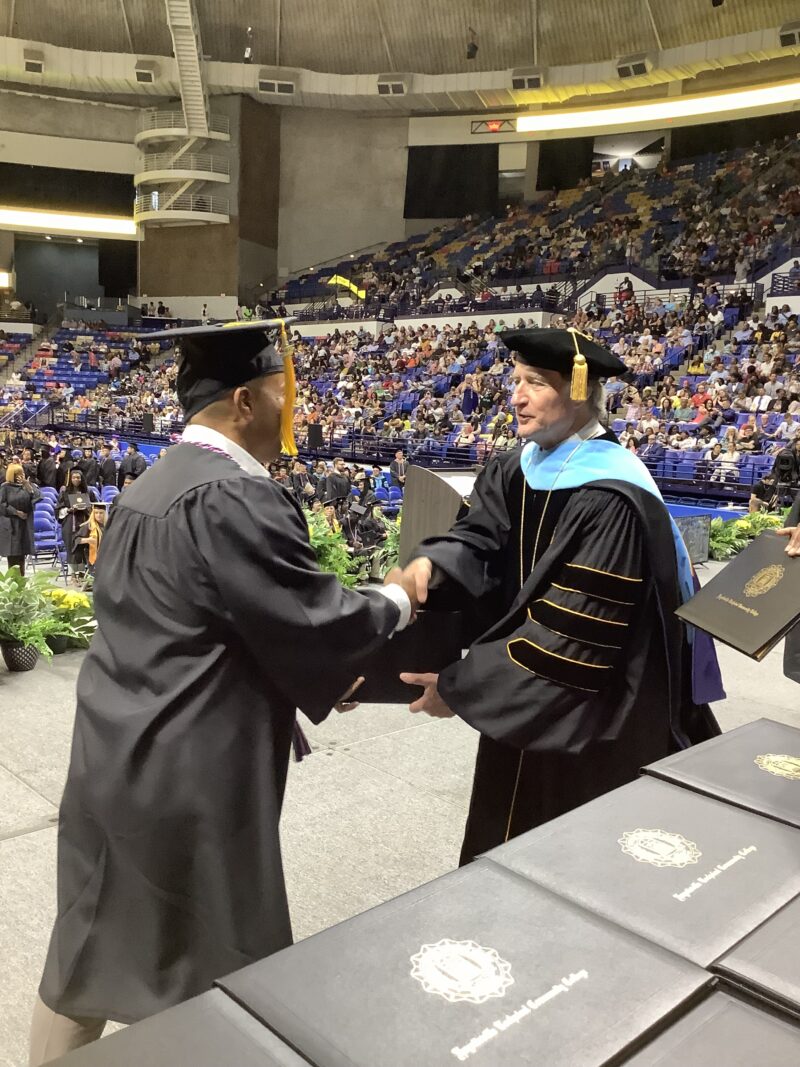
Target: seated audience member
x,y
651,451
727,468
748,438
710,462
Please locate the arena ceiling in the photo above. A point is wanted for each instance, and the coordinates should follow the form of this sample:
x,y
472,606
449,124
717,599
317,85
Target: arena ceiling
x,y
383,36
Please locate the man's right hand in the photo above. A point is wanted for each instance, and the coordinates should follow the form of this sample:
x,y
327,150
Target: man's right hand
x,y
415,577
396,576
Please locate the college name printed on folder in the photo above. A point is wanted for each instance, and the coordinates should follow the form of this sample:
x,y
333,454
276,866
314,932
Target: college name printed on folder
x,y
753,602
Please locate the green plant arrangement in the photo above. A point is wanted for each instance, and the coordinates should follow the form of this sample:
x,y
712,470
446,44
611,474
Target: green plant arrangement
x,y
73,610
389,552
330,548
26,614
729,536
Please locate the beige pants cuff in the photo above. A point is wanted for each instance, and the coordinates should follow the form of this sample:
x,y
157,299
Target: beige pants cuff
x,y
55,1035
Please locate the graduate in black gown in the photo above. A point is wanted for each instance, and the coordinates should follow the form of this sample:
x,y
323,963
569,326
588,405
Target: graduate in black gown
x,y
211,610
567,557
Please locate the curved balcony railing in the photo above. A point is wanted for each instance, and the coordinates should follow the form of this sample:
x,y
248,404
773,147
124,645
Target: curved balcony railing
x,y
160,205
154,119
198,162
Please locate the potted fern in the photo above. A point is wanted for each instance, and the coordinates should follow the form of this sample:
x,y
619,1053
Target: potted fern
x,y
330,548
26,619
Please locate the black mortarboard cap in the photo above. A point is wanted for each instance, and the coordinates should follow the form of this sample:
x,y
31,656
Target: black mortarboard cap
x,y
568,351
220,357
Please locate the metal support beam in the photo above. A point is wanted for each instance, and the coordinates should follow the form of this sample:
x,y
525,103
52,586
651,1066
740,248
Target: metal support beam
x,y
127,25
535,21
278,16
11,8
654,25
384,38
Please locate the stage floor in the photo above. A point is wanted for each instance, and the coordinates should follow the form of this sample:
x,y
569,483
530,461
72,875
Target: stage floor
x,y
377,809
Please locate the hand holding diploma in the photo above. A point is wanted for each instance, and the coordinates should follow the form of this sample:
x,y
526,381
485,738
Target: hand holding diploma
x,y
430,702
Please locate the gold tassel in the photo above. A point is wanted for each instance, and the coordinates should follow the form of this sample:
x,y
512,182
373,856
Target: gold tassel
x,y
579,386
288,444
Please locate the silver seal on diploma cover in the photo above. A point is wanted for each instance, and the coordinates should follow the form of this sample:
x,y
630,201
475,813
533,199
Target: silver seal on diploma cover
x,y
661,848
461,971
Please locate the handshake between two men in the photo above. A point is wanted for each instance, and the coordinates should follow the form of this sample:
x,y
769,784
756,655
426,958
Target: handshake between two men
x,y
414,579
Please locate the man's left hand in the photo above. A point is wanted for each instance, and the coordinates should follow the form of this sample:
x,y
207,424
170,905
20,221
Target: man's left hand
x,y
344,703
430,702
793,533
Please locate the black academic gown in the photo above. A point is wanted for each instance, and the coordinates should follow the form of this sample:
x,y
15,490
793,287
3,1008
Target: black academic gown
x,y
90,468
579,675
210,608
47,472
108,472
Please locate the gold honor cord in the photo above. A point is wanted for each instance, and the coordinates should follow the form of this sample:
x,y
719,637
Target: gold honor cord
x,y
288,444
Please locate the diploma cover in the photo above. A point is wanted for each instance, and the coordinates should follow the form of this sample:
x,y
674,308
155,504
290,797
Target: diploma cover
x,y
431,643
753,602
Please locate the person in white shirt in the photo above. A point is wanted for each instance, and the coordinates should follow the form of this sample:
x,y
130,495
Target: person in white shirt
x,y
787,430
728,465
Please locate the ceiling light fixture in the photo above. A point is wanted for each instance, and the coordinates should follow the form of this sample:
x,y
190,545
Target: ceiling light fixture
x,y
12,218
763,99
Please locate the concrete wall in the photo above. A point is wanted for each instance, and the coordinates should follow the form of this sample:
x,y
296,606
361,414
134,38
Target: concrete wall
x,y
342,185
190,260
259,189
47,132
6,250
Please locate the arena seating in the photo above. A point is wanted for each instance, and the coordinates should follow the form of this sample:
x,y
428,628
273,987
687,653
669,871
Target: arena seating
x,y
718,215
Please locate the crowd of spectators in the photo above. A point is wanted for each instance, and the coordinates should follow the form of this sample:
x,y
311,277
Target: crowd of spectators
x,y
724,217
439,392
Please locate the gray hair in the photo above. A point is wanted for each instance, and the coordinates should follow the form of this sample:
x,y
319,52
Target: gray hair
x,y
597,399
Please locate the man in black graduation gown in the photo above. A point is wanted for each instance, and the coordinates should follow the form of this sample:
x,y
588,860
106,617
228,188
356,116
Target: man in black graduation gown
x,y
133,462
47,471
567,554
210,609
108,468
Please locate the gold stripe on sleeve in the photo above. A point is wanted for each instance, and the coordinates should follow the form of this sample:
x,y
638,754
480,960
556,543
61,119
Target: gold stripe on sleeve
x,y
593,596
583,615
608,574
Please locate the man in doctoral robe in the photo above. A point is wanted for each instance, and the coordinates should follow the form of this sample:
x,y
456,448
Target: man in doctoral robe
x,y
210,608
570,561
